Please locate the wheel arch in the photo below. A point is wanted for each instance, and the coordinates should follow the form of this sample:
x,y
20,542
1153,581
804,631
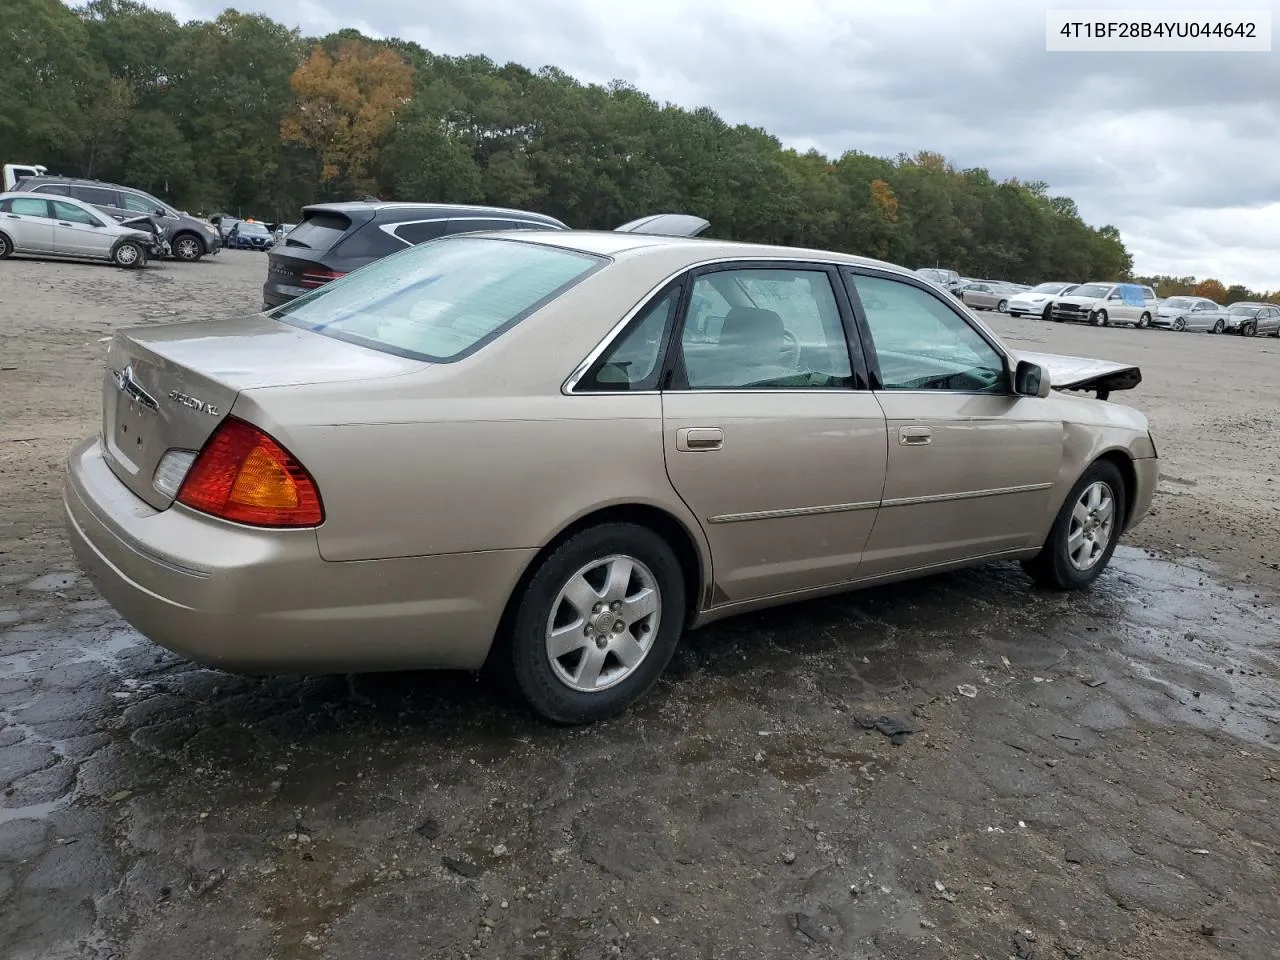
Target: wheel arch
x,y
686,546
1122,460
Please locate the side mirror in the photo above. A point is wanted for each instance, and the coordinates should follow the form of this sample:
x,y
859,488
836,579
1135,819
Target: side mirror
x,y
1030,380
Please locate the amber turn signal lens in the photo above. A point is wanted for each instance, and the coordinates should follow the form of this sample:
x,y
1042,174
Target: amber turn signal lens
x,y
243,475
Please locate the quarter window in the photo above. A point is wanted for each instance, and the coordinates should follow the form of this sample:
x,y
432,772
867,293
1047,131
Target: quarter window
x,y
635,361
922,344
59,188
73,214
764,329
420,232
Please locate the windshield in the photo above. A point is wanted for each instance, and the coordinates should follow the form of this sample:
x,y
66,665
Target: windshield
x,y
1243,309
440,300
1180,303
1050,288
1094,290
254,228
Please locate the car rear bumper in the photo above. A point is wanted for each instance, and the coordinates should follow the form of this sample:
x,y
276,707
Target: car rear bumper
x,y
264,601
274,293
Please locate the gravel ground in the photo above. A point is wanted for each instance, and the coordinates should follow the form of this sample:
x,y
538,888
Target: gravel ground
x,y
1111,787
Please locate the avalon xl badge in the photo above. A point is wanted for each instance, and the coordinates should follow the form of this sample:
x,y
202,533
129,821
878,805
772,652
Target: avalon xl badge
x,y
188,401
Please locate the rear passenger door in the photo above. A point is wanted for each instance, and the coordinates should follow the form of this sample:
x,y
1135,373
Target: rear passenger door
x,y
29,223
103,198
771,435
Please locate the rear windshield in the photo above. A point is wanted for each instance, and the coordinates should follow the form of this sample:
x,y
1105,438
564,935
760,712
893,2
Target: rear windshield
x,y
319,231
442,300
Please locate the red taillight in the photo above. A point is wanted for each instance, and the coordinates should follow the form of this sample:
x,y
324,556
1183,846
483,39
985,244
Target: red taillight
x,y
318,278
245,476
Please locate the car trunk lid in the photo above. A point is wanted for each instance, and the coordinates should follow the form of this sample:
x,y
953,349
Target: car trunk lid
x,y
167,387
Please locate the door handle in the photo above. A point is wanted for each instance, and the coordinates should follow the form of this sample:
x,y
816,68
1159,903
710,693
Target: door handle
x,y
12,216
63,223
914,436
693,439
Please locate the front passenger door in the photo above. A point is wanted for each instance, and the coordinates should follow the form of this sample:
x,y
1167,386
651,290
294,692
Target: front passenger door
x,y
76,233
971,465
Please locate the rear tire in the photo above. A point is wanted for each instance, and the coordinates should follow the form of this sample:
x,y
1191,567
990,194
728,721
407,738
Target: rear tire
x,y
582,600
1073,556
6,247
1003,306
129,254
1048,314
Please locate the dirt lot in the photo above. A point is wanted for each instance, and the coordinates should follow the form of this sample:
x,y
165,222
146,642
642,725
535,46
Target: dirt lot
x,y
1112,789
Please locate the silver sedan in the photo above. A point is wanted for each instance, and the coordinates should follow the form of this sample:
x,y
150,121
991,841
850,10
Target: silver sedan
x,y
1191,313
66,227
985,295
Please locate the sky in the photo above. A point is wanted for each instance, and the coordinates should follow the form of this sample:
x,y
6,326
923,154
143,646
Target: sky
x,y
1180,151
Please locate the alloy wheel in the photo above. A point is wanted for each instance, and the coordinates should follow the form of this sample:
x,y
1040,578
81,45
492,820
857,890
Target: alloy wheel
x,y
603,623
1092,522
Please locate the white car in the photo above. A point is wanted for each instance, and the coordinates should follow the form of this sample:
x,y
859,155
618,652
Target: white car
x,y
1035,302
66,227
1103,303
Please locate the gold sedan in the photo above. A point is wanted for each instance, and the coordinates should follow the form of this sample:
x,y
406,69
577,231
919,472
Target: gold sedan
x,y
555,452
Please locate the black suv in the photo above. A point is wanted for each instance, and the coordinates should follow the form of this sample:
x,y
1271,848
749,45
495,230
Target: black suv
x,y
332,239
335,238
189,238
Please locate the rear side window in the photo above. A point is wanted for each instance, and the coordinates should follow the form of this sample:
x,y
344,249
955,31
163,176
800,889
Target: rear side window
x,y
98,196
319,231
420,232
368,242
59,188
440,301
28,207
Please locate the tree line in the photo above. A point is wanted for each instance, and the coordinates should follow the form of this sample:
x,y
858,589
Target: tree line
x,y
241,114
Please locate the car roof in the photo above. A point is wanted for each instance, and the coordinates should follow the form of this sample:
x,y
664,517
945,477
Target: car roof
x,y
696,249
391,206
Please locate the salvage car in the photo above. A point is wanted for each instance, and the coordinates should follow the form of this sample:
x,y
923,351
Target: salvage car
x,y
985,295
63,227
1104,304
1252,319
531,451
1035,302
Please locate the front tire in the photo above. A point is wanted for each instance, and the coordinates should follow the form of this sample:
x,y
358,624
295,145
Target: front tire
x,y
1144,321
1085,532
1100,318
6,247
187,247
129,254
597,624
1219,326
1180,324
1249,330
1003,306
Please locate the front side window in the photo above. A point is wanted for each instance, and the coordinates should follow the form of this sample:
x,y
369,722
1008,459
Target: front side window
x,y
922,344
764,329
440,301
140,204
73,214
30,207
634,362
